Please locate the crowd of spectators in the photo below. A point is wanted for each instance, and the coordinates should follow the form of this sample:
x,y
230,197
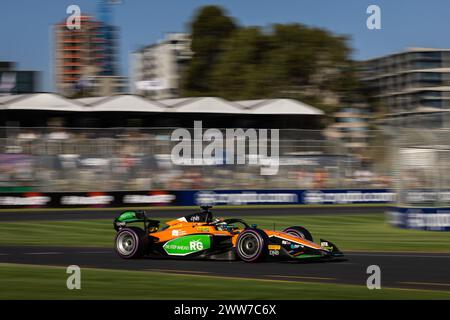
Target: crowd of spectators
x,y
57,159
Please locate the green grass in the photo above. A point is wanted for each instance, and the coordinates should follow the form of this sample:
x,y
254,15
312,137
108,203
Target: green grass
x,y
368,232
39,282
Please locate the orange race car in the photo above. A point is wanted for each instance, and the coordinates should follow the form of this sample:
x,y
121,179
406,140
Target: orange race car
x,y
200,236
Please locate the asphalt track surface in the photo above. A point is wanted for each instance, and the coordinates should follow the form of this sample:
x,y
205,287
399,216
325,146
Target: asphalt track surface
x,y
398,270
175,213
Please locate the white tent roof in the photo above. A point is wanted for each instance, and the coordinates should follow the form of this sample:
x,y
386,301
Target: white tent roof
x,y
128,102
91,100
42,101
207,105
5,99
173,102
136,103
284,106
249,103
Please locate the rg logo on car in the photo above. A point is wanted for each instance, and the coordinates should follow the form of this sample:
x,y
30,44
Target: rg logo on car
x,y
196,245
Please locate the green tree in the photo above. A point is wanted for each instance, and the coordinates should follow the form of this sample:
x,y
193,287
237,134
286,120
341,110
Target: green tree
x,y
209,29
282,61
240,71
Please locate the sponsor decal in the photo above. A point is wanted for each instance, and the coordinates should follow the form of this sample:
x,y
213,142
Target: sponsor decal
x,y
274,252
436,219
274,247
423,196
154,197
32,199
195,218
196,245
203,229
295,246
188,244
284,241
325,245
347,196
92,198
178,233
210,197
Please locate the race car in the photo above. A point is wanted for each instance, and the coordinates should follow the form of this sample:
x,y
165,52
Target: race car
x,y
200,236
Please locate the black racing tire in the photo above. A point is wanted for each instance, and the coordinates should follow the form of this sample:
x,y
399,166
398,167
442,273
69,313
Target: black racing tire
x,y
251,245
299,232
131,243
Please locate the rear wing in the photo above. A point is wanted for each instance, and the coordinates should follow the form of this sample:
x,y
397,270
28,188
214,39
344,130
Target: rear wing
x,y
133,216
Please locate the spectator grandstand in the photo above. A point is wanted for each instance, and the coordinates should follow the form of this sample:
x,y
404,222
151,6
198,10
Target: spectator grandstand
x,y
60,157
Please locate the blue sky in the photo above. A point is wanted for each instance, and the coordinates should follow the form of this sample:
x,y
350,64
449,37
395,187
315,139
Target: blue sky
x,y
26,35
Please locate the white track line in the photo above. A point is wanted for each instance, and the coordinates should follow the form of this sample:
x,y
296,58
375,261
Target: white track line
x,y
425,283
396,255
43,253
96,252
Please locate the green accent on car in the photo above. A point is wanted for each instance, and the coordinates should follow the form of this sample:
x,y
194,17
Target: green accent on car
x,y
128,216
188,244
304,256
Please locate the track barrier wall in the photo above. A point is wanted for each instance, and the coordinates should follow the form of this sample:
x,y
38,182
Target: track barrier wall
x,y
418,217
192,198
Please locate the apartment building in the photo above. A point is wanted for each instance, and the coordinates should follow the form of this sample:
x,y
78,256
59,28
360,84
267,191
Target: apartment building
x,y
156,69
415,80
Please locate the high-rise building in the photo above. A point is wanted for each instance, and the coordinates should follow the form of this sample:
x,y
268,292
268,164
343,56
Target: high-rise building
x,y
417,79
157,68
85,59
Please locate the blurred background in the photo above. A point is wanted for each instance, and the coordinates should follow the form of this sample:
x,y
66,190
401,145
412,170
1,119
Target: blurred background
x,y
103,131
345,123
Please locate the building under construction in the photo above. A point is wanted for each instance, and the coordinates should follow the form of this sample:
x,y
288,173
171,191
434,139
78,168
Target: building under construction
x,y
85,59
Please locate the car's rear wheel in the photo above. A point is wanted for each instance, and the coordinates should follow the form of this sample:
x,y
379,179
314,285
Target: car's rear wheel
x,y
251,245
299,232
131,243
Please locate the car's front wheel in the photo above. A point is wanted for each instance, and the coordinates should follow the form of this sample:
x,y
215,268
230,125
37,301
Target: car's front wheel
x,y
251,245
131,243
299,232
